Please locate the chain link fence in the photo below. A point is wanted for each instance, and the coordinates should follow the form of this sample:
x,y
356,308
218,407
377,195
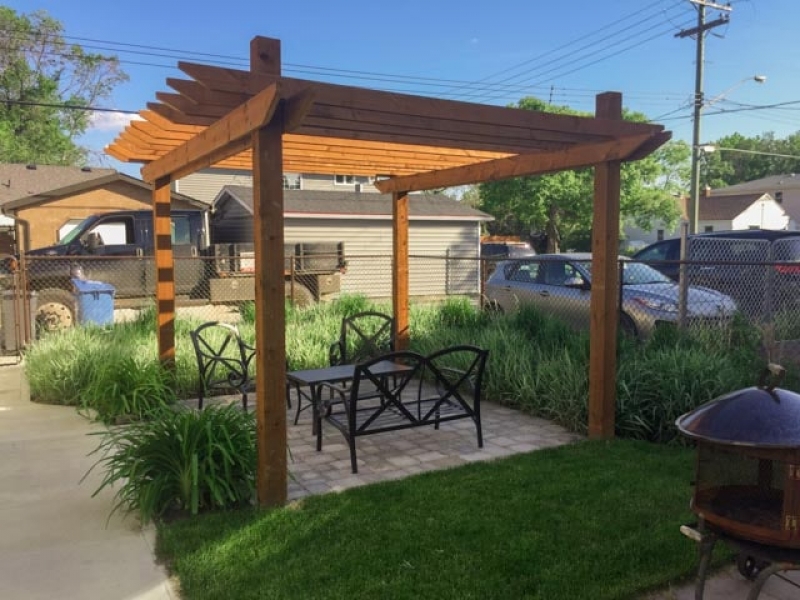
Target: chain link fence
x,y
761,279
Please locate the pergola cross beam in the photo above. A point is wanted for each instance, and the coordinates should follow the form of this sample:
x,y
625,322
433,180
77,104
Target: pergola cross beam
x,y
535,163
220,140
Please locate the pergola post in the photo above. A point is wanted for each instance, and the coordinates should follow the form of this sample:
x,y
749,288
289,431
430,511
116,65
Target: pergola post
x,y
605,284
271,473
165,270
400,270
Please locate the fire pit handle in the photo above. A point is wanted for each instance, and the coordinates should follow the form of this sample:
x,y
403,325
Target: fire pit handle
x,y
771,376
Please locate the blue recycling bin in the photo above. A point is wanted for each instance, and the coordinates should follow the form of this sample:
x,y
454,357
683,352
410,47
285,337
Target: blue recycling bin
x,y
95,301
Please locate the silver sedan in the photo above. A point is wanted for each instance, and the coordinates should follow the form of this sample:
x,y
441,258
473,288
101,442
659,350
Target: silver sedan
x,y
560,285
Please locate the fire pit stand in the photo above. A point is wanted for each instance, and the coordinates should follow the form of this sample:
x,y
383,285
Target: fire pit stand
x,y
756,562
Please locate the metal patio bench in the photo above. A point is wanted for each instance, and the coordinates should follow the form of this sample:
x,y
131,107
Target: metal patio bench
x,y
443,386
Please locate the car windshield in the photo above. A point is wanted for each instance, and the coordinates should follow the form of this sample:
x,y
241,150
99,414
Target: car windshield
x,y
635,273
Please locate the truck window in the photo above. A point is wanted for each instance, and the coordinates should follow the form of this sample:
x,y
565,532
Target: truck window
x,y
116,232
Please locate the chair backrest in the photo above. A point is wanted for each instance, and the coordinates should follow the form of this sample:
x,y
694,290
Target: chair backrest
x,y
363,336
222,357
457,374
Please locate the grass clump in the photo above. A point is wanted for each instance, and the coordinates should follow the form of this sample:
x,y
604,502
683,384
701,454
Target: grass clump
x,y
180,460
594,520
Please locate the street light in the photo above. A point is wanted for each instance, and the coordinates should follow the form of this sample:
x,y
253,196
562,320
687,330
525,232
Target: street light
x,y
694,193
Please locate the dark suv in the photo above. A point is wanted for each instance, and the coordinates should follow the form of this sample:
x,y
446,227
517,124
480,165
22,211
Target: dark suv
x,y
733,263
503,250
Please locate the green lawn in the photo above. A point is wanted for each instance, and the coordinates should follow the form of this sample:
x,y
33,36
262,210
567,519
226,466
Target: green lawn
x,y
593,520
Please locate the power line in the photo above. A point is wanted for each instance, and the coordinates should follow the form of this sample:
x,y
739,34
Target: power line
x,y
150,50
69,106
561,47
591,50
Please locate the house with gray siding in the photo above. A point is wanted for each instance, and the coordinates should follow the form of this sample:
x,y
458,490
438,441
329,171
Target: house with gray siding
x,y
444,236
205,185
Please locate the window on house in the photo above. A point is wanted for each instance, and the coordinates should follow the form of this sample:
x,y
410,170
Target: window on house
x,y
291,182
708,228
344,179
660,235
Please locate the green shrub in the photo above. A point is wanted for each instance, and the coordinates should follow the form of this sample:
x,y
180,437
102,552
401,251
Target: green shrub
x,y
180,460
125,387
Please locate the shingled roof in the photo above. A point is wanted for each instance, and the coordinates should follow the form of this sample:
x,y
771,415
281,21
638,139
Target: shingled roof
x,y
22,185
21,181
727,208
301,203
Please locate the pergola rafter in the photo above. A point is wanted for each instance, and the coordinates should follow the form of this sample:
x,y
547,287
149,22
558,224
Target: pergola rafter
x,y
260,121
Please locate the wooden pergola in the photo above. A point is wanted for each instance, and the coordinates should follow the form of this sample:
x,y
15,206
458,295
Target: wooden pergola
x,y
260,121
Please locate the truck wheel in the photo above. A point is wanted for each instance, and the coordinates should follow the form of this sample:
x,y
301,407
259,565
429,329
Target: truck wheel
x,y
56,310
302,295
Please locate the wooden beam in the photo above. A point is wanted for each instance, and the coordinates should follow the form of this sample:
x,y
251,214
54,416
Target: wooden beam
x,y
296,108
165,271
270,325
605,286
517,166
400,269
174,116
239,81
220,140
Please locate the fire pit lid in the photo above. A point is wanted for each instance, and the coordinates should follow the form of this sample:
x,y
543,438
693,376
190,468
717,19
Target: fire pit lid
x,y
764,416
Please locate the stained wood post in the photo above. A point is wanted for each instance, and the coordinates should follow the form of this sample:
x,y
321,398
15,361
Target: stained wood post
x,y
165,271
400,268
271,473
605,285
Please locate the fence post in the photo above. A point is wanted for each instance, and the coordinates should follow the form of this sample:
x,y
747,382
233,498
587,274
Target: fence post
x,y
683,285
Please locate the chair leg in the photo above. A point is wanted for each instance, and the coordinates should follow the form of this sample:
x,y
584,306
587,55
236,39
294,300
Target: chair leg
x,y
200,400
288,396
479,429
299,405
244,401
351,440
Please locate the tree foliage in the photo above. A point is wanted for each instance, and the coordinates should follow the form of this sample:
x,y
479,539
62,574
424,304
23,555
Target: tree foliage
x,y
559,206
39,74
755,159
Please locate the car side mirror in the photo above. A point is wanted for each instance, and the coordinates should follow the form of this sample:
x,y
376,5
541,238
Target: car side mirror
x,y
577,282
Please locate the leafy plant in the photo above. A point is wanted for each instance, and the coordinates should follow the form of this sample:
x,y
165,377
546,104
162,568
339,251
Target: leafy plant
x,y
124,387
180,460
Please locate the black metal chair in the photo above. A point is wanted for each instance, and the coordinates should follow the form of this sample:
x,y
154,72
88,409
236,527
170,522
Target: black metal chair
x,y
223,361
362,336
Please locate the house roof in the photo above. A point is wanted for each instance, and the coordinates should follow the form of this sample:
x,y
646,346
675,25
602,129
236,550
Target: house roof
x,y
770,184
25,185
315,204
727,208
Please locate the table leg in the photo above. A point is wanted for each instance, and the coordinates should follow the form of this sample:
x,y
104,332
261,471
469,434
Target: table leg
x,y
317,416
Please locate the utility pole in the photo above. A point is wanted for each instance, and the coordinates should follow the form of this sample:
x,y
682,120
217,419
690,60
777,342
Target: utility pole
x,y
700,32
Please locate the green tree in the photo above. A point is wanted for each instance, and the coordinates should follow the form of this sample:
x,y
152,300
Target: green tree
x,y
757,157
39,74
560,205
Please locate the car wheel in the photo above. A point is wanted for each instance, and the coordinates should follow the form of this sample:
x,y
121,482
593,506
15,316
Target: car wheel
x,y
56,310
627,326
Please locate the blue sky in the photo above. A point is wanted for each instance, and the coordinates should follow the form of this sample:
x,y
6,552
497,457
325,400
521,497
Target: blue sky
x,y
489,52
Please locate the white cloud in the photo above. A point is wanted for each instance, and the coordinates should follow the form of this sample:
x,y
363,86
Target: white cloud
x,y
111,121
473,41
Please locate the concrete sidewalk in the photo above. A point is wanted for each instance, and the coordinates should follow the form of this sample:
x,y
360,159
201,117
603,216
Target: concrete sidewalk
x,y
57,541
